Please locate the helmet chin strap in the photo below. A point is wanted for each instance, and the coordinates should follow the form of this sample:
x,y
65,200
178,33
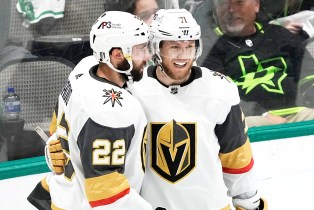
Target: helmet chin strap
x,y
129,78
103,60
157,61
163,70
127,72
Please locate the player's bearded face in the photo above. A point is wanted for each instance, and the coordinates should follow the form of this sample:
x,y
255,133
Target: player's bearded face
x,y
177,58
137,71
140,56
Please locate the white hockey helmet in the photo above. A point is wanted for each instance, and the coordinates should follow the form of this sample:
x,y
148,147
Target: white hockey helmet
x,y
174,25
116,29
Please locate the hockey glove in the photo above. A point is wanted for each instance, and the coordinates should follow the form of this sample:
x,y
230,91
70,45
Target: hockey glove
x,y
250,203
56,157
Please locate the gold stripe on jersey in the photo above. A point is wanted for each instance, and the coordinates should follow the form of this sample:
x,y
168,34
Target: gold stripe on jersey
x,y
44,184
63,124
238,161
226,208
106,189
53,124
54,207
144,149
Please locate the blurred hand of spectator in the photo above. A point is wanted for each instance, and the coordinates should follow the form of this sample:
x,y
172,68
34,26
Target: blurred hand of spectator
x,y
294,27
275,119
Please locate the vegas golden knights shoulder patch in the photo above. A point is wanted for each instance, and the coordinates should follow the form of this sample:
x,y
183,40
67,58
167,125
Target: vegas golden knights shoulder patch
x,y
173,149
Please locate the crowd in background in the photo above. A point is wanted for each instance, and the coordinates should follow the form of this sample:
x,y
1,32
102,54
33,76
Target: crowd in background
x,y
290,89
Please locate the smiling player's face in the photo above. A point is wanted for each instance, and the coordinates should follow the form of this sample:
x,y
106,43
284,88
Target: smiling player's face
x,y
177,58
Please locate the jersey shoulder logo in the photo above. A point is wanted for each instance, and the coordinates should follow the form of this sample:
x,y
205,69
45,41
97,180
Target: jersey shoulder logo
x,y
113,96
173,148
222,76
77,76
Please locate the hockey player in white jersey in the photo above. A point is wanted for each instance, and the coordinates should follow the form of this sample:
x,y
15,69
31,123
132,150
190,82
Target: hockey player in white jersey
x,y
100,124
197,143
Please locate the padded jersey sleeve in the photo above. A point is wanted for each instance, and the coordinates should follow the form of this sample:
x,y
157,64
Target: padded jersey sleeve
x,y
235,149
103,155
235,153
103,151
110,153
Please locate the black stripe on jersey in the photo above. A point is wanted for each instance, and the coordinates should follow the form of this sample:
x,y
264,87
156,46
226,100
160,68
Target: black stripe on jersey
x,y
69,170
151,71
105,139
93,74
64,144
66,92
64,124
231,134
40,197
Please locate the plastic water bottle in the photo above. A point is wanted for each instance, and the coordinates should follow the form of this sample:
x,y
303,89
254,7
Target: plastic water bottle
x,y
12,105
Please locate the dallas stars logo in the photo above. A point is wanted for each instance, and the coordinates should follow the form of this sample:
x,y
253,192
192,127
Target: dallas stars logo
x,y
113,96
268,73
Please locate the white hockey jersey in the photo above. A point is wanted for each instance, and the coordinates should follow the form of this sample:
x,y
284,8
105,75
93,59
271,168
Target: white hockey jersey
x,y
100,126
82,67
197,142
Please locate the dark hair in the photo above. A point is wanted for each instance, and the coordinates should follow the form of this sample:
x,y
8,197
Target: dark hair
x,y
119,5
132,7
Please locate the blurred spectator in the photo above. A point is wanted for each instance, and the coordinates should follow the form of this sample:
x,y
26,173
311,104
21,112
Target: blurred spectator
x,y
4,22
298,23
271,9
144,9
264,60
286,13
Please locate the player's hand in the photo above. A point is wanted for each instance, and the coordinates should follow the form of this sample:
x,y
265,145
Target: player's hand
x,y
56,157
295,28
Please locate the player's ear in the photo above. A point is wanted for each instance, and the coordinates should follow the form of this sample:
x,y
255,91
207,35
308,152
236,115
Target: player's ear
x,y
117,54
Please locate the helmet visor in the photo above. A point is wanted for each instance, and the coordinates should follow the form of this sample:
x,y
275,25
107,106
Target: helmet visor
x,y
178,49
141,52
